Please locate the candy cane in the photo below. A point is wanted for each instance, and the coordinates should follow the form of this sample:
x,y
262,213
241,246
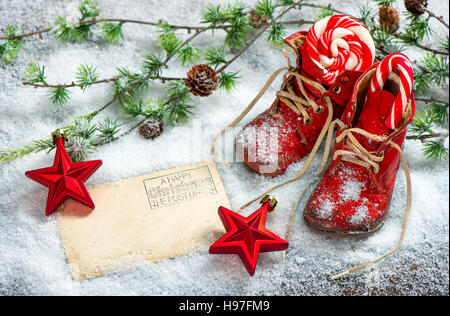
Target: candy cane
x,y
339,43
401,65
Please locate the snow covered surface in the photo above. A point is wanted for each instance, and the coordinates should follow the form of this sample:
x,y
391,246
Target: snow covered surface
x,y
32,259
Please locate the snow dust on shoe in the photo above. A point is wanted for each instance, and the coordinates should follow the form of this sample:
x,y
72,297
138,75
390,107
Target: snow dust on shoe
x,y
355,191
331,56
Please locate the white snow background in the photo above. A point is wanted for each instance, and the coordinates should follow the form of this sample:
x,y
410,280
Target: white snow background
x,y
32,259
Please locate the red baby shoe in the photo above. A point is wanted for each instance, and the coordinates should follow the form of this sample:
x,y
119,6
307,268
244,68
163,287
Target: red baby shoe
x,y
354,192
331,56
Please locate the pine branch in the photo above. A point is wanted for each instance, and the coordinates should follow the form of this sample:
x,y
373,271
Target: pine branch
x,y
425,47
401,36
175,98
439,18
8,155
75,85
431,100
115,20
422,138
176,107
328,7
228,63
259,34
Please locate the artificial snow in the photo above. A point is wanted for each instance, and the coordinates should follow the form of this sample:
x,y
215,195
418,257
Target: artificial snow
x,y
326,208
351,189
361,214
32,259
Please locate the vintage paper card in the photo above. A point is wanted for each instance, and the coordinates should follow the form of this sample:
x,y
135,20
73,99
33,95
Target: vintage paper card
x,y
143,219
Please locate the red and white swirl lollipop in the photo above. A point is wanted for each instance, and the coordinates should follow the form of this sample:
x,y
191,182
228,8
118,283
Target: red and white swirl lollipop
x,y
401,65
339,43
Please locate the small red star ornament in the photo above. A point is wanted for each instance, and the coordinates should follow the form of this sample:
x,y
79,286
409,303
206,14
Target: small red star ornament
x,y
247,236
65,179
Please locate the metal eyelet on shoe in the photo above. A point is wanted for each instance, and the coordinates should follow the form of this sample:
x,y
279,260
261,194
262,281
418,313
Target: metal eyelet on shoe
x,y
336,90
319,110
307,121
345,79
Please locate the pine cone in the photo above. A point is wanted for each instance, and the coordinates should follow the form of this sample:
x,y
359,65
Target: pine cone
x,y
151,128
257,20
202,80
389,17
416,7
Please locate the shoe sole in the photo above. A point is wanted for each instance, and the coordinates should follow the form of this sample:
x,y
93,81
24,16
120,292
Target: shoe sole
x,y
345,234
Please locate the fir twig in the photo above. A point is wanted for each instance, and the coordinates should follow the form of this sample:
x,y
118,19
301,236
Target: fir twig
x,y
439,18
175,98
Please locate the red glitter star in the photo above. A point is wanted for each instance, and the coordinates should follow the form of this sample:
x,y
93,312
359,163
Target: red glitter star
x,y
247,236
65,179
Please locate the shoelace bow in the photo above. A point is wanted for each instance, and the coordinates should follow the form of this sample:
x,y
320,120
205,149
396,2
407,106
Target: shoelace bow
x,y
286,94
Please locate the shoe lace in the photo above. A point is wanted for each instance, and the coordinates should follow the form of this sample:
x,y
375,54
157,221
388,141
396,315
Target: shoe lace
x,y
366,159
356,153
286,95
299,104
370,159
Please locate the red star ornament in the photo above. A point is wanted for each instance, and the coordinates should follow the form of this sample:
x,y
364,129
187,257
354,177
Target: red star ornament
x,y
247,236
65,179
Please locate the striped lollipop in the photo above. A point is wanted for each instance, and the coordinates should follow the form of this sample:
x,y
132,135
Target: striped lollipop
x,y
339,43
399,64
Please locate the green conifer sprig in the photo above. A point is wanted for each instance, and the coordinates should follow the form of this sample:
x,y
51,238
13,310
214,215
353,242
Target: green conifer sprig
x,y
157,109
188,55
151,64
214,57
228,81
123,86
276,34
434,149
89,9
10,49
367,15
437,66
34,73
83,128
79,148
86,76
423,122
179,110
108,130
284,3
133,108
323,13
440,111
443,44
265,8
417,30
112,32
386,2
170,42
63,30
59,96
35,147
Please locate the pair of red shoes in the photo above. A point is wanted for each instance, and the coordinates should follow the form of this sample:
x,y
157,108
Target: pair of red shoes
x,y
371,103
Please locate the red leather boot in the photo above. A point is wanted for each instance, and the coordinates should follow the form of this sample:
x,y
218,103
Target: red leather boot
x,y
355,191
330,58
